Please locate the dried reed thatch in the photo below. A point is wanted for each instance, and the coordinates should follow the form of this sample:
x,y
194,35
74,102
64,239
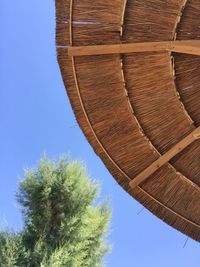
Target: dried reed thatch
x,y
132,73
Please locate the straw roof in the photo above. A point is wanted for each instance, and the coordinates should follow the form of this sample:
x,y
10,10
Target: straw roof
x,y
132,73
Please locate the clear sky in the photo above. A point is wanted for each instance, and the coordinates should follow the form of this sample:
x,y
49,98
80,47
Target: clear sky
x,y
36,117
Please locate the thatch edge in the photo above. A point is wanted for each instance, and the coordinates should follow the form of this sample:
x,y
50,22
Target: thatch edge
x,y
120,179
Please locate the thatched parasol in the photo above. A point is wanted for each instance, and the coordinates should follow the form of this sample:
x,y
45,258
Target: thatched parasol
x,y
132,73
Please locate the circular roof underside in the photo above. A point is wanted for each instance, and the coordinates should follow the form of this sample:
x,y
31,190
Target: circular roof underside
x,y
136,96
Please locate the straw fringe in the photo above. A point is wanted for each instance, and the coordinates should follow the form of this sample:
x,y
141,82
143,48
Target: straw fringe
x,y
187,70
151,20
170,13
150,85
96,22
63,22
188,83
177,91
188,27
188,162
178,19
166,214
97,11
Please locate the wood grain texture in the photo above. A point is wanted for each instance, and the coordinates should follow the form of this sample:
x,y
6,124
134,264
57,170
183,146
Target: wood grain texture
x,y
191,47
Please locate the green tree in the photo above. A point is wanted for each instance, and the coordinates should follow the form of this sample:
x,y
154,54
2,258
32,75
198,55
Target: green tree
x,y
62,226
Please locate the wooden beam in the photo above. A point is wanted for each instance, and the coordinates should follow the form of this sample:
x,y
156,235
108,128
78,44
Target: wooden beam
x,y
188,47
162,160
191,47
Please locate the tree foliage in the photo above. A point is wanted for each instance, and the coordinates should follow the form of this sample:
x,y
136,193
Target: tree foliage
x,y
62,226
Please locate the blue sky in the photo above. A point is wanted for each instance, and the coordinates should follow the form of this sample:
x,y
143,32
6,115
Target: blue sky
x,y
36,117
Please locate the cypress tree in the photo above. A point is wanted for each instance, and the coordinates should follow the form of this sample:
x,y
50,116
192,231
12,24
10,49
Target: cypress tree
x,y
62,226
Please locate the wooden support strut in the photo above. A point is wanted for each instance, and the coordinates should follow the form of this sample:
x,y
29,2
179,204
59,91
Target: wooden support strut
x,y
165,158
187,47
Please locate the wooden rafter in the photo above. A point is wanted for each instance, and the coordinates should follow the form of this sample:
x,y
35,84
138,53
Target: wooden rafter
x,y
187,47
165,158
